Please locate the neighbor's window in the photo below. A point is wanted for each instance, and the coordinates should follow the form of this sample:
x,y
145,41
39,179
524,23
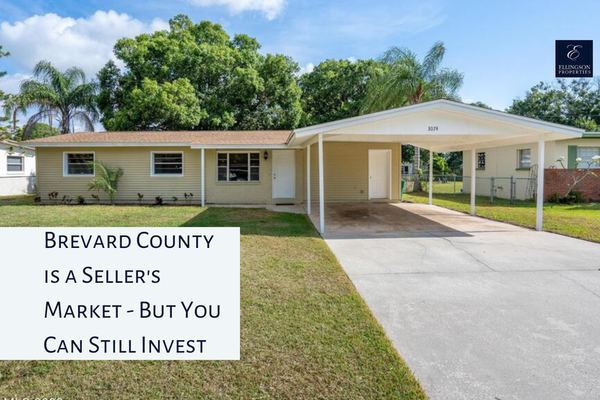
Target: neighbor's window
x,y
586,154
238,167
524,157
481,160
168,164
14,164
78,164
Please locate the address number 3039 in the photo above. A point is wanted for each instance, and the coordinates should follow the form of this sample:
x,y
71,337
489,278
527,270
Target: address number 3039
x,y
432,129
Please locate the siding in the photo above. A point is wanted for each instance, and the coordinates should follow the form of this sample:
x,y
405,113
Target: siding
x,y
502,162
346,175
135,162
346,167
249,192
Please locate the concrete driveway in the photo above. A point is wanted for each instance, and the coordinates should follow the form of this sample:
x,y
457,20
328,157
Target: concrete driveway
x,y
479,309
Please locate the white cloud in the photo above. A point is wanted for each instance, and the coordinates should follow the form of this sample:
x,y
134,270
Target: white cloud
x,y
270,8
11,83
307,69
83,42
352,59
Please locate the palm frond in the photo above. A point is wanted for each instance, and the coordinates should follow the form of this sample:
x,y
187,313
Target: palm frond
x,y
433,59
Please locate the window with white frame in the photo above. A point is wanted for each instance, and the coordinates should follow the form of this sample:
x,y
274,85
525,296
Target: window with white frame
x,y
14,164
586,154
238,167
524,158
167,164
78,164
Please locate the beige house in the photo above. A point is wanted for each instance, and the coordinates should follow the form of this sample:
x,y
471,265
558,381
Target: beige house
x,y
352,160
520,162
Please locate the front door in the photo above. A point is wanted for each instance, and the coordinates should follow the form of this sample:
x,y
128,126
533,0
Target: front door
x,y
379,174
284,174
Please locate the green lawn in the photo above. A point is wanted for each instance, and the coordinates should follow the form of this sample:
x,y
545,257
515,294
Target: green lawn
x,y
306,333
578,220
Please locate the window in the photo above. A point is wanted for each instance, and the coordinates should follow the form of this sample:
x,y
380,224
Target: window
x,y
78,164
524,158
586,154
14,164
405,170
480,160
167,164
238,167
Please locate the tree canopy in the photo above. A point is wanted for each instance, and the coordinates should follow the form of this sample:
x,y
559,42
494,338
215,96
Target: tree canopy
x,y
335,89
194,76
575,103
3,99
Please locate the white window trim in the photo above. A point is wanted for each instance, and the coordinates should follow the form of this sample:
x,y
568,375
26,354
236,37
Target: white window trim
x,y
519,151
66,169
22,171
154,175
238,152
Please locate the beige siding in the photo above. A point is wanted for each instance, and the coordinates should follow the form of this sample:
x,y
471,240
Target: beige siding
x,y
346,175
346,167
501,162
135,162
249,192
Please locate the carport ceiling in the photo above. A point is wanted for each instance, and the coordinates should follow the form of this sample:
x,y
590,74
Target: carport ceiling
x,y
440,126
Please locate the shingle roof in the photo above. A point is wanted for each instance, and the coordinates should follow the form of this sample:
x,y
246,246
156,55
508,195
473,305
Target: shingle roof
x,y
183,137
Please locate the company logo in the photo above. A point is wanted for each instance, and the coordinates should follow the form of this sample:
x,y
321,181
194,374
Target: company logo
x,y
574,59
573,53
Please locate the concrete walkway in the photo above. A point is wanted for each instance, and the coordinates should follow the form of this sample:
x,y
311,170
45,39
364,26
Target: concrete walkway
x,y
481,309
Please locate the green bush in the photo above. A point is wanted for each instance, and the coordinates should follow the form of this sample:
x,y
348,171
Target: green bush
x,y
574,197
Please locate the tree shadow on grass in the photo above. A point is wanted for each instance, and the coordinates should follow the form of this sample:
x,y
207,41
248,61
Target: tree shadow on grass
x,y
254,221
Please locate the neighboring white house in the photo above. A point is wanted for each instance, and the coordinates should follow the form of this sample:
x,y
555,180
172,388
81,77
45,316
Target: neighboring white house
x,y
17,168
522,164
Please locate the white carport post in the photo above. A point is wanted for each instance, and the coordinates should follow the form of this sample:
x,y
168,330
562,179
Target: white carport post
x,y
430,177
540,185
473,170
308,179
321,188
202,183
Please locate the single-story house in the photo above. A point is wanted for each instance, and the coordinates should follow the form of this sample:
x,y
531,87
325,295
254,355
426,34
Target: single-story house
x,y
351,160
520,162
17,168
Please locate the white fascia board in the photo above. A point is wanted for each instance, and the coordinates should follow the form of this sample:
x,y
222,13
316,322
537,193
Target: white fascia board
x,y
112,144
239,146
447,105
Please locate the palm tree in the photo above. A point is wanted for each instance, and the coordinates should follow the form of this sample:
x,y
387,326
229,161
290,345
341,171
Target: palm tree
x,y
406,80
65,97
107,179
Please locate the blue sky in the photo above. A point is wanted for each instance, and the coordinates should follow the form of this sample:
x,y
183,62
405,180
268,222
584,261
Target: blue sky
x,y
503,47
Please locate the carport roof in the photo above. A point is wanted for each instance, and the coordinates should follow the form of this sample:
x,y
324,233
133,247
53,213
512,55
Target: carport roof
x,y
439,125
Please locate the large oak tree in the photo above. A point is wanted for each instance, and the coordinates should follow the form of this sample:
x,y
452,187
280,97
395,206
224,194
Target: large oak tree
x,y
195,76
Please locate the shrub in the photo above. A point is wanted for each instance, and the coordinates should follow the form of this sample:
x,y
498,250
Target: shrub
x,y
140,198
574,197
53,196
175,198
97,198
107,179
81,200
158,200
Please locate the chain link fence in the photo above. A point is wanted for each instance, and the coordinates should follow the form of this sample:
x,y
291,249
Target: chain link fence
x,y
510,188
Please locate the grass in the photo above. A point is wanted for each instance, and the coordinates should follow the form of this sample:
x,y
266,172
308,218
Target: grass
x,y
17,199
581,221
306,333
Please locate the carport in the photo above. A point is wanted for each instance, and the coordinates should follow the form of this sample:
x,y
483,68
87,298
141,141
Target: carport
x,y
437,126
